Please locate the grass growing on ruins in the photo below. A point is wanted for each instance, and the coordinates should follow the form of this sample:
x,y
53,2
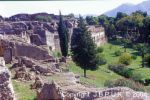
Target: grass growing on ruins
x,y
23,91
103,74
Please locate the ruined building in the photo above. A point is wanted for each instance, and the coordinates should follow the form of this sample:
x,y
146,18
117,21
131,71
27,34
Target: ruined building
x,y
98,34
45,34
13,47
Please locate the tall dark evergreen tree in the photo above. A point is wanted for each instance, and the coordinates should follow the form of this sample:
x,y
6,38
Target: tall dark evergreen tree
x,y
83,48
63,36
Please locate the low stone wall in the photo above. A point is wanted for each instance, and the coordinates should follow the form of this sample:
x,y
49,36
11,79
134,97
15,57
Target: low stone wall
x,y
6,88
14,48
31,51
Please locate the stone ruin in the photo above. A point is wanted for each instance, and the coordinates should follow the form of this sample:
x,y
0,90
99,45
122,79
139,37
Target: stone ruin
x,y
6,88
49,92
12,47
38,83
27,69
53,91
23,75
71,89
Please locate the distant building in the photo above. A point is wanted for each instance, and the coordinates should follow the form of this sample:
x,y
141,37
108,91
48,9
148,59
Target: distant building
x,y
98,34
43,37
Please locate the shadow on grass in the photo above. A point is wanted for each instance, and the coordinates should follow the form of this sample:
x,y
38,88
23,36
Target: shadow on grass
x,y
136,53
115,42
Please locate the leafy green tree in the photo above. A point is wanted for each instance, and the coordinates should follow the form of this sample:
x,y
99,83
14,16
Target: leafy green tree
x,y
131,26
63,36
120,15
140,12
141,47
91,20
146,29
125,43
103,20
147,59
83,48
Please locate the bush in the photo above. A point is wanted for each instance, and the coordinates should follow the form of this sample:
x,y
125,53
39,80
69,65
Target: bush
x,y
121,70
135,47
117,53
101,59
136,77
57,54
125,58
125,83
147,59
147,82
134,57
100,49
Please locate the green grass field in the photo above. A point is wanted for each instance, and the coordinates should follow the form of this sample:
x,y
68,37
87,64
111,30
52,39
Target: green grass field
x,y
103,74
23,91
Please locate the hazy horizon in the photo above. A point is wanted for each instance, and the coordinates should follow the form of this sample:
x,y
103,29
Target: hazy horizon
x,y
9,8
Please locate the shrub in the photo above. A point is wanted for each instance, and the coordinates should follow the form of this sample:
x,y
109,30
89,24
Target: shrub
x,y
134,57
119,41
117,53
57,54
126,83
147,82
101,59
135,47
100,49
136,77
121,70
125,58
147,59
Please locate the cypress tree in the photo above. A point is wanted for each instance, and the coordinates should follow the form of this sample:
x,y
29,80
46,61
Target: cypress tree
x,y
63,36
83,48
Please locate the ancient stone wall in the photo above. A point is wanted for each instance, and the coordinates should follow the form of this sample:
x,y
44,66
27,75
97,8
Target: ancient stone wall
x,y
14,48
31,51
6,88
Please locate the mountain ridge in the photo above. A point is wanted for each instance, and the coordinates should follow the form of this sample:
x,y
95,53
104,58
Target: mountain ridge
x,y
129,8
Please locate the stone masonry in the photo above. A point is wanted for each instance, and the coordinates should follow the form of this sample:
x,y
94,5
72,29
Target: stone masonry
x,y
6,89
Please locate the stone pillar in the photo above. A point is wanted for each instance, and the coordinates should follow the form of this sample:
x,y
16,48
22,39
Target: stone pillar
x,y
8,55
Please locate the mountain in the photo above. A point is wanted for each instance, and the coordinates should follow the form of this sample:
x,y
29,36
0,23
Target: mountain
x,y
129,8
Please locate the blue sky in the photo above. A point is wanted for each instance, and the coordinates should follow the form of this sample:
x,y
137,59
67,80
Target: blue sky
x,y
94,7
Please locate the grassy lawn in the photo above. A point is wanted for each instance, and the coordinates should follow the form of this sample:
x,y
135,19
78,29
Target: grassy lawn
x,y
97,77
23,91
103,74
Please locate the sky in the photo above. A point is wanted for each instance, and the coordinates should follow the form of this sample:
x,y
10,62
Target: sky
x,y
93,7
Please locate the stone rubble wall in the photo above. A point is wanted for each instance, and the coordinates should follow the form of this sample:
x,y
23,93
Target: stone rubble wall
x,y
6,88
31,51
13,48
